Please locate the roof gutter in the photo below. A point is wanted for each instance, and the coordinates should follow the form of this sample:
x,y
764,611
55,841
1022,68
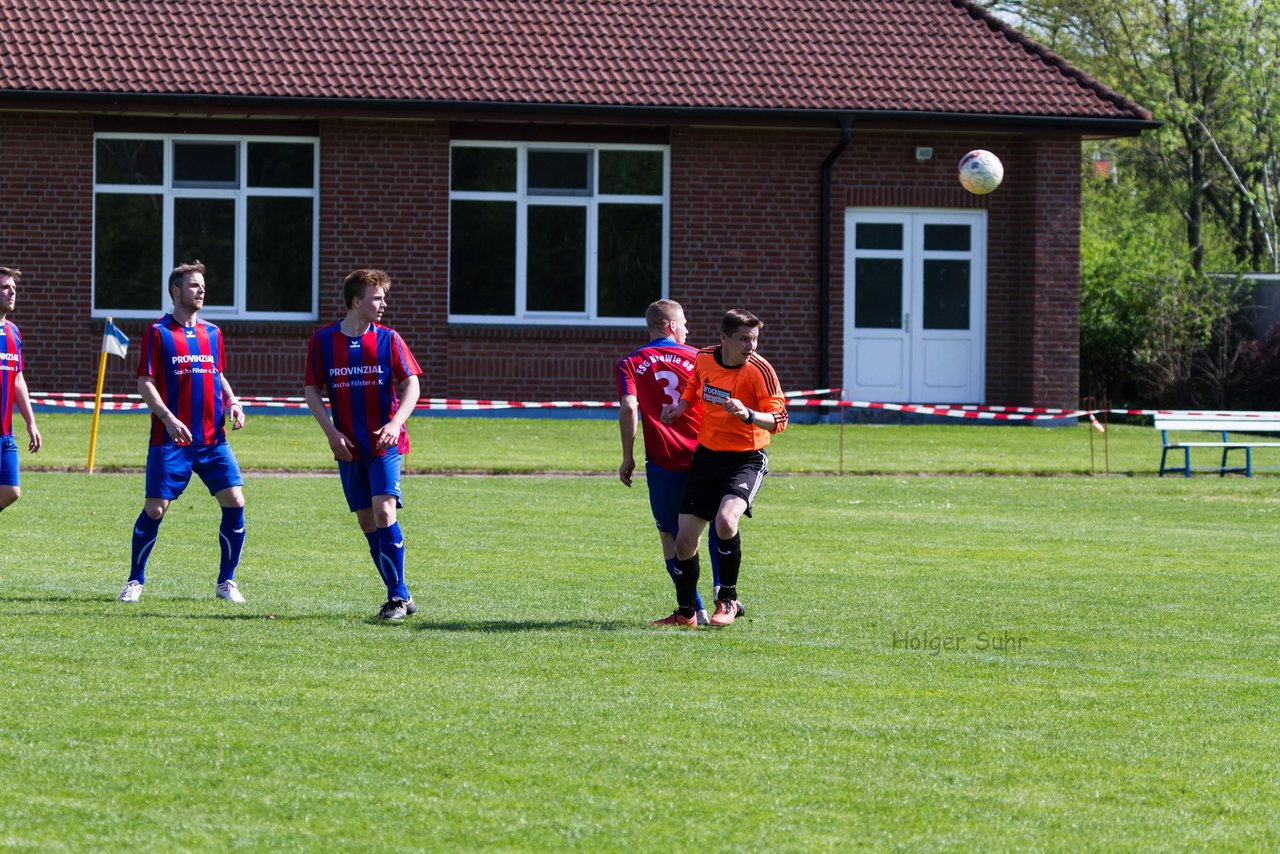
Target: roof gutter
x,y
813,117
824,250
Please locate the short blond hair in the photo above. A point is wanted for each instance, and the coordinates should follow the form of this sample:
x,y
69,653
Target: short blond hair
x,y
660,313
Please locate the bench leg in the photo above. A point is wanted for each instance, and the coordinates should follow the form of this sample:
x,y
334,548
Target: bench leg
x,y
1248,462
1186,462
1222,470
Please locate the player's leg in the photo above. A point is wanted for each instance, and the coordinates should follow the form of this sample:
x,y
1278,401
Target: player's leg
x,y
740,490
666,491
384,483
168,472
217,467
10,490
355,487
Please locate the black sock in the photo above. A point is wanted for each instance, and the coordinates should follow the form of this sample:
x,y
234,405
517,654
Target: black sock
x,y
687,585
730,562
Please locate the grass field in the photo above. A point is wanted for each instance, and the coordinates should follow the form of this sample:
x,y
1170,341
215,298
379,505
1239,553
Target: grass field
x,y
1124,696
526,445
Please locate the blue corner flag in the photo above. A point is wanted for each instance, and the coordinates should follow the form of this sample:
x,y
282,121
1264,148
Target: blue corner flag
x,y
114,341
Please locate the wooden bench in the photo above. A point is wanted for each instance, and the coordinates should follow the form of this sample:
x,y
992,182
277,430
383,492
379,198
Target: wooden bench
x,y
1222,425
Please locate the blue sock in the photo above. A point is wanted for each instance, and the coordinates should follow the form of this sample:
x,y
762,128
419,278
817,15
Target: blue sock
x,y
230,542
713,541
145,531
671,571
387,574
391,561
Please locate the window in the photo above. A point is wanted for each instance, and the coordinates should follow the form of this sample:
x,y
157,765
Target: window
x,y
246,207
544,233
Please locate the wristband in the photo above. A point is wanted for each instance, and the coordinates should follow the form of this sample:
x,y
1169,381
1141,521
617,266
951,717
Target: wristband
x,y
751,416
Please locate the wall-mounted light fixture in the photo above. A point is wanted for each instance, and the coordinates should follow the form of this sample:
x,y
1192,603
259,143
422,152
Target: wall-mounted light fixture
x,y
924,153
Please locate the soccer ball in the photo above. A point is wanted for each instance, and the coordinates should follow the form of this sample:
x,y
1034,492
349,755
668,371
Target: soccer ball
x,y
980,172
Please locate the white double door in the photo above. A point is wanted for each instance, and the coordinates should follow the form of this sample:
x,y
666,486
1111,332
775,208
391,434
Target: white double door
x,y
915,305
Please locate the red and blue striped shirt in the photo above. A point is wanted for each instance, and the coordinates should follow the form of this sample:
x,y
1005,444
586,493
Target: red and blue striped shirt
x,y
186,363
10,367
360,376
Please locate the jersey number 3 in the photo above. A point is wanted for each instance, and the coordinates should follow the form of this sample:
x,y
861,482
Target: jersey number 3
x,y
670,385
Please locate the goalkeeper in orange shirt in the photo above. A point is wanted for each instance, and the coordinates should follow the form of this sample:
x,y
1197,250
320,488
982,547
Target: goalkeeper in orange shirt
x,y
742,407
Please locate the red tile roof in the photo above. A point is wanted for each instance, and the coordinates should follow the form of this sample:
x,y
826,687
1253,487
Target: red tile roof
x,y
935,56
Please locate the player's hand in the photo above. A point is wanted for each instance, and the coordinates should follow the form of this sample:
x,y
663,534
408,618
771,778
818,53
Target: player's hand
x,y
341,447
237,416
625,471
178,431
736,408
36,442
669,412
388,435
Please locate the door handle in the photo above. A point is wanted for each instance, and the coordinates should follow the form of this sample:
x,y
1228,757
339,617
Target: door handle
x,y
906,321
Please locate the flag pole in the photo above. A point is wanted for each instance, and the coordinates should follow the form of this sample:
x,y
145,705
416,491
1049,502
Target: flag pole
x,y
97,407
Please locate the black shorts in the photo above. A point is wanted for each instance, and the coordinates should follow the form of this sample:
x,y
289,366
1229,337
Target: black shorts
x,y
715,474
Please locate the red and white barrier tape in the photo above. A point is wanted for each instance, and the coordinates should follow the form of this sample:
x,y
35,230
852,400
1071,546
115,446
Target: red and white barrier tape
x,y
133,402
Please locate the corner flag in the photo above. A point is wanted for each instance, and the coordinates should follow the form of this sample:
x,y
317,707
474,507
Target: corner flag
x,y
114,341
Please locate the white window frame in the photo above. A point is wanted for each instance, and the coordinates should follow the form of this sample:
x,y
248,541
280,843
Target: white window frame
x,y
523,199
241,196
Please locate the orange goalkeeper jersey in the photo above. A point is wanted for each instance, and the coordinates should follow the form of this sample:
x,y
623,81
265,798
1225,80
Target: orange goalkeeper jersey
x,y
753,383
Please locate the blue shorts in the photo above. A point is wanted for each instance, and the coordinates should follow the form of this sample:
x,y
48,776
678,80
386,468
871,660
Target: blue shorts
x,y
9,461
169,469
364,478
666,491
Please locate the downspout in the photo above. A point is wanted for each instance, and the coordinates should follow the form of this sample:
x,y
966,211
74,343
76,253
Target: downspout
x,y
824,251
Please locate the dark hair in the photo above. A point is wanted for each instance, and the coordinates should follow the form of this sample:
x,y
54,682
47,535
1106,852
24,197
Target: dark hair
x,y
12,272
180,272
356,282
735,317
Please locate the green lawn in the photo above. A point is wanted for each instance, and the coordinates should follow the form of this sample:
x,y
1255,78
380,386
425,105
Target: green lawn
x,y
1128,701
529,445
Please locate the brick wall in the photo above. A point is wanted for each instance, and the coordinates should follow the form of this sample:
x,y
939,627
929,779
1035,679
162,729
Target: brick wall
x,y
46,222
744,233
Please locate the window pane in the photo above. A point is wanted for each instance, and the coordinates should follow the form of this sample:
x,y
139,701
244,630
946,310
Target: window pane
x,y
946,294
556,275
629,271
278,273
879,235
127,251
560,173
281,164
206,164
637,173
953,238
129,161
205,229
482,258
878,298
484,169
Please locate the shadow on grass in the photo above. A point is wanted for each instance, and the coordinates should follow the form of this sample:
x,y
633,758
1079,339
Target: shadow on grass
x,y
492,626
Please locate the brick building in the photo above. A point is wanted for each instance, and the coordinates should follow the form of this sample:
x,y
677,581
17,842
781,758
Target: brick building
x,y
533,174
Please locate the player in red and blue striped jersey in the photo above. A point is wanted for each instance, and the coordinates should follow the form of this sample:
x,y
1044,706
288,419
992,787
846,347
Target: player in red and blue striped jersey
x,y
371,380
13,391
648,379
181,376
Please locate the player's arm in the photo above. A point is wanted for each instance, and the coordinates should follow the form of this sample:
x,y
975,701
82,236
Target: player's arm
x,y
232,403
178,431
770,407
340,444
407,392
23,399
628,419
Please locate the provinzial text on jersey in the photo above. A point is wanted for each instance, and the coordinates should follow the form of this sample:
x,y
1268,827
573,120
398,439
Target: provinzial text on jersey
x,y
355,369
